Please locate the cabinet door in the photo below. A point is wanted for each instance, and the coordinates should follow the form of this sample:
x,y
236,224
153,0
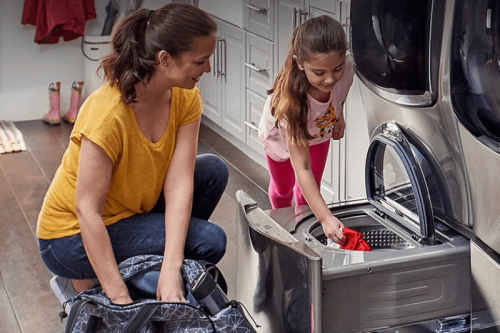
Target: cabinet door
x,y
191,2
229,10
232,71
317,8
333,180
255,105
259,64
345,19
357,143
290,14
211,87
258,17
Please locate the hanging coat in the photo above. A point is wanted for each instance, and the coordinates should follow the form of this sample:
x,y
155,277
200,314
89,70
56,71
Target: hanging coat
x,y
58,18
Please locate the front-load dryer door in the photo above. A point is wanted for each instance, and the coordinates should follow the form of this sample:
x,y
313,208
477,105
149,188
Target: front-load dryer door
x,y
396,186
390,46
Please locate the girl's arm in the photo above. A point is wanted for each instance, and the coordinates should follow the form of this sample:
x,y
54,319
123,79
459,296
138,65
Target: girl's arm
x,y
299,156
339,127
178,191
94,177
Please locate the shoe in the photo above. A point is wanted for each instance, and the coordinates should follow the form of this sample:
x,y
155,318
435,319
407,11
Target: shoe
x,y
63,289
76,94
53,117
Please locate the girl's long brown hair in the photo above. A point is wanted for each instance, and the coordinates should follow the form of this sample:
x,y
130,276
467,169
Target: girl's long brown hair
x,y
138,38
289,102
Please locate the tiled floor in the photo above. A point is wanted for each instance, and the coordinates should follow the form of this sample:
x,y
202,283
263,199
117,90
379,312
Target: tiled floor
x,y
27,303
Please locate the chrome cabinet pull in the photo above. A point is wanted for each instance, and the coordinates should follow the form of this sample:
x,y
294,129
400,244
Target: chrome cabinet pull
x,y
255,68
256,9
304,14
252,126
297,17
221,58
294,18
213,61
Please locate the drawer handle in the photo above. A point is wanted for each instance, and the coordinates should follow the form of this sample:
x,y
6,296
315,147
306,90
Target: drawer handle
x,y
252,126
257,9
255,68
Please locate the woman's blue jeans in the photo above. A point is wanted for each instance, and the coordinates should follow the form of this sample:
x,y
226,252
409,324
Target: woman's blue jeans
x,y
145,233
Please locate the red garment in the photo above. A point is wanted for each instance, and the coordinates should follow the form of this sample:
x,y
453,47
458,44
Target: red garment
x,y
354,241
58,18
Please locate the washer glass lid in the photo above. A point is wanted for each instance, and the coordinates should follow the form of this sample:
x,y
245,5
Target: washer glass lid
x,y
395,183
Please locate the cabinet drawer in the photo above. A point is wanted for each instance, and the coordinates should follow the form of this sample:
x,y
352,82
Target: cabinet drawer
x,y
331,9
255,105
228,10
258,17
259,64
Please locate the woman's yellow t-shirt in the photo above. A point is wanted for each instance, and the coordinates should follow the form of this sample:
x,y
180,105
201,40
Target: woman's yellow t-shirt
x,y
139,165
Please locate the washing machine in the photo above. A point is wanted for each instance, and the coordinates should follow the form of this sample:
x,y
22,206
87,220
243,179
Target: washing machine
x,y
416,271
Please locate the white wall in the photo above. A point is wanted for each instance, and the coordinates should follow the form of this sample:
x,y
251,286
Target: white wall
x,y
27,68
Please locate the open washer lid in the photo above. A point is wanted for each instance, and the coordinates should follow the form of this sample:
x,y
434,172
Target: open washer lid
x,y
396,186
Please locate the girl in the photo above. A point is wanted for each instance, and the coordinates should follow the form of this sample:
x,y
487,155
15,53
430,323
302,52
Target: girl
x,y
130,182
303,111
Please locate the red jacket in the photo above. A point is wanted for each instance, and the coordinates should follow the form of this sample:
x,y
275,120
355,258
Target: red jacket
x,y
58,18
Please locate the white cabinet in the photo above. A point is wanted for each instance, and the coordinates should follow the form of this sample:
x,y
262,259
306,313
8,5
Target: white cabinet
x,y
230,11
191,2
331,8
357,141
259,17
259,78
223,90
245,64
289,15
255,104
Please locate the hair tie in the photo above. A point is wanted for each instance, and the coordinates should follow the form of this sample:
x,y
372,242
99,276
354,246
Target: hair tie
x,y
149,15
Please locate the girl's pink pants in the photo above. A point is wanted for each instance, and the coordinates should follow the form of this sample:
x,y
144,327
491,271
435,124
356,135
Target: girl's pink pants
x,y
283,185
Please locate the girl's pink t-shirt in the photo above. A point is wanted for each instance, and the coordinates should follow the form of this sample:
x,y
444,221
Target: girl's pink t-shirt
x,y
321,118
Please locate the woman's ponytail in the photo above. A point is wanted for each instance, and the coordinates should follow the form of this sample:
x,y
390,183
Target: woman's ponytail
x,y
137,39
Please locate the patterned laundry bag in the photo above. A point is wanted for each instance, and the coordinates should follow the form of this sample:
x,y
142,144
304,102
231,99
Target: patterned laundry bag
x,y
91,310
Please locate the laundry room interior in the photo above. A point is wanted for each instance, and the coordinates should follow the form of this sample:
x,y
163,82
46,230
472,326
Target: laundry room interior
x,y
415,172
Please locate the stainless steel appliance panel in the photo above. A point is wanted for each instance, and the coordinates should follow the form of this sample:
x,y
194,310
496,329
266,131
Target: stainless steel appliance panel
x,y
359,291
279,278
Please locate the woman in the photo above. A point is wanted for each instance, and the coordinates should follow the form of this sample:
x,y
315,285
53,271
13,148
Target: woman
x,y
130,182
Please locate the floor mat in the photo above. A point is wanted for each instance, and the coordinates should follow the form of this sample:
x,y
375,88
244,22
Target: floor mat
x,y
11,138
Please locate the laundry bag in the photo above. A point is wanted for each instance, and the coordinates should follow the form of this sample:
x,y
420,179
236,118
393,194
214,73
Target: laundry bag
x,y
92,311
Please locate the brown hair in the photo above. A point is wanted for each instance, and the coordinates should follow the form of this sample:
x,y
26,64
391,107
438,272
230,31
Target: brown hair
x,y
289,103
137,39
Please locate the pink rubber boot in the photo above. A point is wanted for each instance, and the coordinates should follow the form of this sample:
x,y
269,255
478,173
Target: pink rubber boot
x,y
76,94
53,117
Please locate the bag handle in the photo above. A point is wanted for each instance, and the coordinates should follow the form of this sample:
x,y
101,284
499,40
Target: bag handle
x,y
216,274
141,317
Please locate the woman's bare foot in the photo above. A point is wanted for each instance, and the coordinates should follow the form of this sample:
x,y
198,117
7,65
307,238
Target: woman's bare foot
x,y
81,285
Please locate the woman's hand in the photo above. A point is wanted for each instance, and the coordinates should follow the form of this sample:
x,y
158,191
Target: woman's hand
x,y
121,300
170,286
331,228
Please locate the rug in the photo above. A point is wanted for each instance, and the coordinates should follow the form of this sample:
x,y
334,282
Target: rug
x,y
11,138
